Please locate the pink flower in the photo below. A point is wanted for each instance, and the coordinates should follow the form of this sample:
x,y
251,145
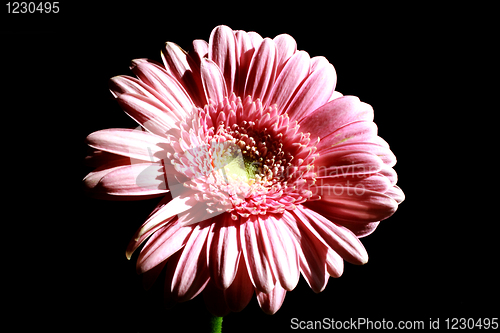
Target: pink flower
x,y
265,170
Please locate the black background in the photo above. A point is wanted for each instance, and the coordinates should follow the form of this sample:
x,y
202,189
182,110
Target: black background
x,y
65,252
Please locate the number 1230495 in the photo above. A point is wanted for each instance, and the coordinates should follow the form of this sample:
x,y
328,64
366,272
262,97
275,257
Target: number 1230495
x,y
32,7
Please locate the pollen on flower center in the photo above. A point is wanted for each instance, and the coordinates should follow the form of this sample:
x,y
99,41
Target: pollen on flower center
x,y
251,168
254,160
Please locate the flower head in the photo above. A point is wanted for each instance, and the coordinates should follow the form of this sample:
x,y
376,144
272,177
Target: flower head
x,y
265,170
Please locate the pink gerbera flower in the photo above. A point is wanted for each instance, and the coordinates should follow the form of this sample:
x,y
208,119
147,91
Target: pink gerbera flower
x,y
265,170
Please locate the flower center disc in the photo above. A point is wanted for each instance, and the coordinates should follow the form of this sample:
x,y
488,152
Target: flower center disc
x,y
252,160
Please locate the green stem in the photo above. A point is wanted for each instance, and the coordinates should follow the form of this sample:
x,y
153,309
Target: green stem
x,y
215,324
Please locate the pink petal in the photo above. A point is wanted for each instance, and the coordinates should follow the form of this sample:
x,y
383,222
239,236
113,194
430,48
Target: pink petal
x,y
177,205
286,47
353,204
199,51
318,63
213,81
313,93
137,240
115,181
150,277
175,60
222,50
312,252
290,78
174,95
396,193
262,71
271,302
152,116
191,274
357,131
390,174
131,143
135,179
168,297
334,115
245,51
334,264
123,84
97,158
353,184
281,251
255,39
345,163
359,229
214,300
185,69
92,179
166,241
338,238
224,252
240,292
335,95
313,268
257,263
382,152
